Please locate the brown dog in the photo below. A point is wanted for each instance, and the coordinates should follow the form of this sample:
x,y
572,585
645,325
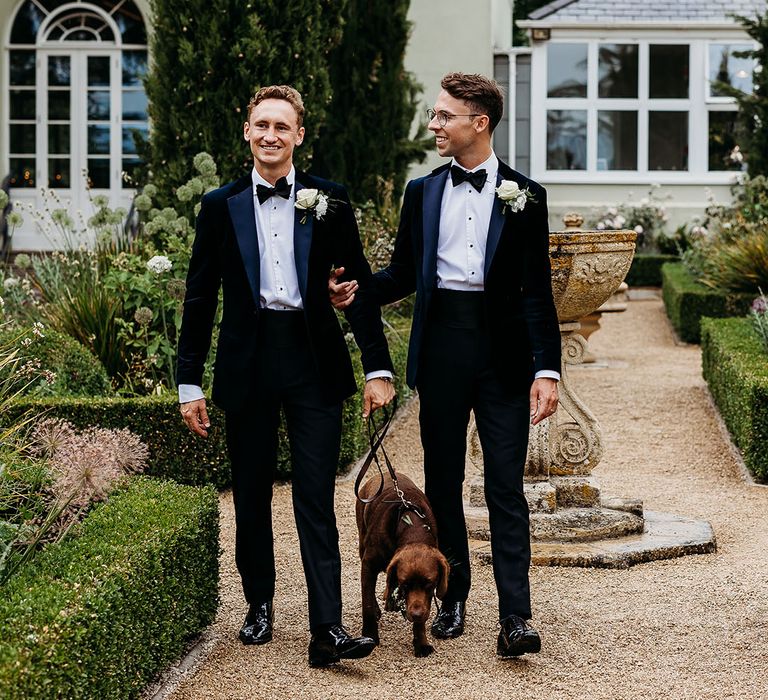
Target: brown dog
x,y
401,542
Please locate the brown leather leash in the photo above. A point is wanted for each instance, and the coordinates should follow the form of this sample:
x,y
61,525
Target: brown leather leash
x,y
376,434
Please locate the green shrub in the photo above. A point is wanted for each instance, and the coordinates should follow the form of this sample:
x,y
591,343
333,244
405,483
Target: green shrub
x,y
100,614
735,366
78,372
688,301
646,269
174,453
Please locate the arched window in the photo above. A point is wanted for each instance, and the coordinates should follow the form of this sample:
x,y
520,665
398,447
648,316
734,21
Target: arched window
x,y
76,96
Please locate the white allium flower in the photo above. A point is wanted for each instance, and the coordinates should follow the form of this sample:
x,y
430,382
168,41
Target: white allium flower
x,y
10,283
600,226
159,264
638,229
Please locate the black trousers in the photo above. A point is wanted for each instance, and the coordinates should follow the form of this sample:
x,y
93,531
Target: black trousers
x,y
456,376
287,378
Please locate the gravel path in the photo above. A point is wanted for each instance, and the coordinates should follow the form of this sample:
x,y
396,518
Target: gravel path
x,y
695,627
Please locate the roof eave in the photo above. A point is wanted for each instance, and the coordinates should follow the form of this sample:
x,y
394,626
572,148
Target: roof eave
x,y
552,23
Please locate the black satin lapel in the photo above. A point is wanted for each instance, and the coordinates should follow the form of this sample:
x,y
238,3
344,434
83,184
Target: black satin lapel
x,y
302,241
433,197
244,222
494,229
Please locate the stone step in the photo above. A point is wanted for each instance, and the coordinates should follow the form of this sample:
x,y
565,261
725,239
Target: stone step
x,y
541,495
665,536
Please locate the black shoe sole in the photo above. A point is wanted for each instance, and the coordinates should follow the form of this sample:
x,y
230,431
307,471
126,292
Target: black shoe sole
x,y
440,634
524,646
359,651
250,641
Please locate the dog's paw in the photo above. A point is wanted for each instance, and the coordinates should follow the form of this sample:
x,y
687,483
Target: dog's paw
x,y
422,650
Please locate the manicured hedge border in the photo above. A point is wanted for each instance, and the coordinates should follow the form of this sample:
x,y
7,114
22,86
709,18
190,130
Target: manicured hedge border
x,y
100,614
687,302
174,453
646,269
735,366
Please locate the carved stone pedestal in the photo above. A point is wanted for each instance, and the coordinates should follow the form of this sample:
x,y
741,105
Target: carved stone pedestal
x,y
567,507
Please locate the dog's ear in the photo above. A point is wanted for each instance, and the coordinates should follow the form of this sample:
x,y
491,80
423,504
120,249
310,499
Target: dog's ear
x,y
442,581
392,584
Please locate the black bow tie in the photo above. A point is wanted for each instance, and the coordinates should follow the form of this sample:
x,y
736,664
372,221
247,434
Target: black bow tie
x,y
281,189
476,179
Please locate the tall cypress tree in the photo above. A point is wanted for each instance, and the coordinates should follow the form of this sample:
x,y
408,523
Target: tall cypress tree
x,y
367,134
208,59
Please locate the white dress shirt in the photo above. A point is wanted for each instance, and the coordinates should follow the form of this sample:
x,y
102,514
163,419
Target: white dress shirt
x,y
465,216
279,282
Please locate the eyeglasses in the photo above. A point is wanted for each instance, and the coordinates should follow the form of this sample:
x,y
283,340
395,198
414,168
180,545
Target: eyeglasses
x,y
444,117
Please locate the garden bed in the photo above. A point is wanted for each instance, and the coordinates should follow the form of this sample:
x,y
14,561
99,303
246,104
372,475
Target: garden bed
x,y
735,365
688,301
100,614
646,269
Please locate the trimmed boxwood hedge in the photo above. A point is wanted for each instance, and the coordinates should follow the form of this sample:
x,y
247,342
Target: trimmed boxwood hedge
x,y
688,301
101,613
645,270
174,453
735,365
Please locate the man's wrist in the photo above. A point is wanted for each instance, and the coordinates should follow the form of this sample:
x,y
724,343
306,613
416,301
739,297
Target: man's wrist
x,y
379,374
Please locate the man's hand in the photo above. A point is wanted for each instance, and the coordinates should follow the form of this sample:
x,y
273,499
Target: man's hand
x,y
377,393
543,399
195,416
342,293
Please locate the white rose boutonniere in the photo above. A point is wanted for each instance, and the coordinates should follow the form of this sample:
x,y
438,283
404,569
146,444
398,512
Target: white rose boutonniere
x,y
312,200
513,197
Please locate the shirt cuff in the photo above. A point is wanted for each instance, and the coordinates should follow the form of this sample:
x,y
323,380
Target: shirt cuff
x,y
378,374
544,374
190,392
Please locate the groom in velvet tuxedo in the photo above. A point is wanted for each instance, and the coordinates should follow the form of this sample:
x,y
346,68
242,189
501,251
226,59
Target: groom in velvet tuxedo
x,y
281,346
484,338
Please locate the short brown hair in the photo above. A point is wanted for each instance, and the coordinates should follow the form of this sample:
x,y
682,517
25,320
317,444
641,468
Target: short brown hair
x,y
482,94
279,92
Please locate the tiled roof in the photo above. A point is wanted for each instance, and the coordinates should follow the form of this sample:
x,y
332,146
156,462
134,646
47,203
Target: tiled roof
x,y
612,11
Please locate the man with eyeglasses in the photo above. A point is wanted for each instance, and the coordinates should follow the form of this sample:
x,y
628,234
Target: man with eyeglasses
x,y
269,241
473,244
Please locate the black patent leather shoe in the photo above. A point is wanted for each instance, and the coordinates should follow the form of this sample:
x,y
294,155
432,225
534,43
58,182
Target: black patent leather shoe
x,y
449,622
516,638
333,643
257,628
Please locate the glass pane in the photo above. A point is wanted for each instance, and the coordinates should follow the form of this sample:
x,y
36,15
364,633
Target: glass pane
x,y
58,138
23,138
724,153
28,21
58,70
566,140
129,144
131,24
726,68
98,105
22,67
134,105
130,167
616,140
22,104
98,172
22,172
58,172
567,70
134,67
617,70
51,5
55,34
81,35
98,71
668,71
98,139
668,140
58,104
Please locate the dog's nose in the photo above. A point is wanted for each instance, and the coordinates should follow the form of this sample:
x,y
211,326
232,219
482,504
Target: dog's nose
x,y
419,613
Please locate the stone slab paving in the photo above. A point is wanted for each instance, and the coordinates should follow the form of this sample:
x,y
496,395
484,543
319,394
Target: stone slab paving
x,y
694,627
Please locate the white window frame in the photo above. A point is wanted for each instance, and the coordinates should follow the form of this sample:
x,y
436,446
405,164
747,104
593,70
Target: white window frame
x,y
695,103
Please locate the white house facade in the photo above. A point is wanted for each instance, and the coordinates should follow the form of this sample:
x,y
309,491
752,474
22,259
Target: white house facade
x,y
623,95
72,99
